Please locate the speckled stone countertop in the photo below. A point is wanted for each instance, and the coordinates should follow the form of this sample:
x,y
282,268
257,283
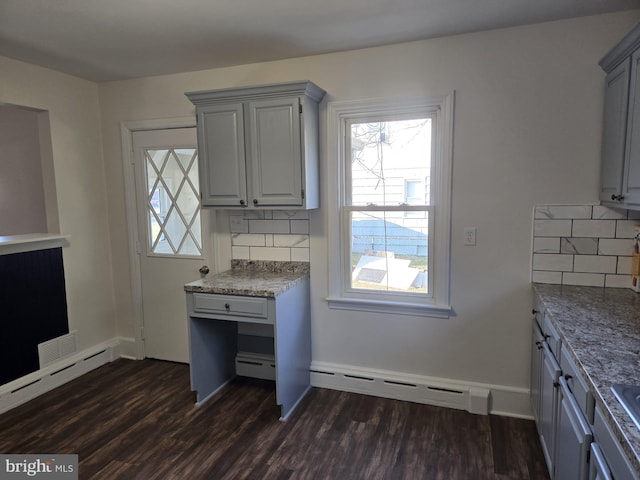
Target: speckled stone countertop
x,y
601,329
253,278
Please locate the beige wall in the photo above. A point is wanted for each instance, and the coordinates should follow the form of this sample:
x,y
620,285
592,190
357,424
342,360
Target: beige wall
x,y
76,148
527,131
22,207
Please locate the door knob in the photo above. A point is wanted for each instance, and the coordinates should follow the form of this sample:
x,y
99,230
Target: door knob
x,y
204,270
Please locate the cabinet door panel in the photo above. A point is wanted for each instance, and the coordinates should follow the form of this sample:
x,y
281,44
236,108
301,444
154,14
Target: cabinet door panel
x,y
222,155
631,183
548,402
275,159
574,437
536,367
614,128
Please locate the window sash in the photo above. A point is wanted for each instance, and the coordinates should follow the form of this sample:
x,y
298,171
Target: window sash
x,y
346,236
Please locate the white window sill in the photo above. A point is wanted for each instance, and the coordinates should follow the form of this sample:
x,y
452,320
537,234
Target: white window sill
x,y
386,306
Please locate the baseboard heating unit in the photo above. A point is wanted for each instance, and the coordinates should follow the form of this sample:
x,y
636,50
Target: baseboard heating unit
x,y
410,388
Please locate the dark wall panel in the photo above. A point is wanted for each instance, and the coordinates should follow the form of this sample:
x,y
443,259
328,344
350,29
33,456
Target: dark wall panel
x,y
33,308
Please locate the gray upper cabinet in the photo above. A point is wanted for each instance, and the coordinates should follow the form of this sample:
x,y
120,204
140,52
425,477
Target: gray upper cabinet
x,y
620,169
258,146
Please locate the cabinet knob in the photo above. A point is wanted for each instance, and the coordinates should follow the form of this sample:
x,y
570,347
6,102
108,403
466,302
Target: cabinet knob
x,y
556,384
204,269
227,306
534,311
539,345
255,201
241,202
567,377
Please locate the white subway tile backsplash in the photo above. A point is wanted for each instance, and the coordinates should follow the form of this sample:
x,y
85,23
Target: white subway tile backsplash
x,y
269,226
600,212
300,226
248,240
552,262
300,255
624,228
546,245
618,281
594,228
595,245
610,246
624,265
270,235
241,253
584,279
563,211
291,241
547,277
595,264
271,253
579,246
552,228
290,215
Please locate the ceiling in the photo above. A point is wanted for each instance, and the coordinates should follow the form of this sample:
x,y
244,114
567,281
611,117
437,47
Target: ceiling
x,y
103,40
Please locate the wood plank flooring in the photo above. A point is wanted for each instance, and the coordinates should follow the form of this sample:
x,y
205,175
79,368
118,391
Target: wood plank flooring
x,y
137,420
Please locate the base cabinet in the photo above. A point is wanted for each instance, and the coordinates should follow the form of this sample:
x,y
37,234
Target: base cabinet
x,y
576,440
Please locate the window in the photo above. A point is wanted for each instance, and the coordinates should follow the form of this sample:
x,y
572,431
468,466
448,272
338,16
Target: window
x,y
391,217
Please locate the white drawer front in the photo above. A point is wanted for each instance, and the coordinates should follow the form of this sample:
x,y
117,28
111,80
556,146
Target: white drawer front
x,y
230,305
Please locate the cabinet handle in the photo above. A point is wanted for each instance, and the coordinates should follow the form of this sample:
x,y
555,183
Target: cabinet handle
x,y
534,311
617,197
227,306
539,345
255,201
567,377
547,337
556,384
241,202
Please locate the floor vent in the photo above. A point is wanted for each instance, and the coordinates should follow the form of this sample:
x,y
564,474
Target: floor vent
x,y
53,350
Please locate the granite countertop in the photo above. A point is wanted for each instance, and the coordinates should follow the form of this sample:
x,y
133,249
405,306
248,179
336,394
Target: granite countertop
x,y
253,279
601,329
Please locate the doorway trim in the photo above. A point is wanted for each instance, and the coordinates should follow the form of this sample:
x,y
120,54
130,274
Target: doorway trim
x,y
136,349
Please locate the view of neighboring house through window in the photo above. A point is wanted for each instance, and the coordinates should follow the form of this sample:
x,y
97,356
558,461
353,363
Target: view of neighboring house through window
x,y
388,209
390,222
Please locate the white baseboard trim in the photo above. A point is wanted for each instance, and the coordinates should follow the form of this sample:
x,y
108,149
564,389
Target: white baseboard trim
x,y
473,397
56,374
128,348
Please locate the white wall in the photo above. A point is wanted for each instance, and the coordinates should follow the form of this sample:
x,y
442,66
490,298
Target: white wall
x,y
527,131
76,148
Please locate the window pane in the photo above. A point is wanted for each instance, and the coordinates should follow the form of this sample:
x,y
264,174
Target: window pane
x,y
389,251
173,209
386,157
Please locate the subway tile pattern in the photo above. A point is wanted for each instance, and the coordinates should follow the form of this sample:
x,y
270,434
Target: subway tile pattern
x,y
588,245
273,235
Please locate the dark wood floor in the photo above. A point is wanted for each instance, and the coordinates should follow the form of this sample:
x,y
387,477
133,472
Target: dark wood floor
x,y
137,420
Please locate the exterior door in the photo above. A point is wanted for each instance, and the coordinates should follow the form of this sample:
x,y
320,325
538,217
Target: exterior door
x,y
173,238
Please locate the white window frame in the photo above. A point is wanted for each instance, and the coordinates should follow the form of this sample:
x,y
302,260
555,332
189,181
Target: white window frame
x,y
341,296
